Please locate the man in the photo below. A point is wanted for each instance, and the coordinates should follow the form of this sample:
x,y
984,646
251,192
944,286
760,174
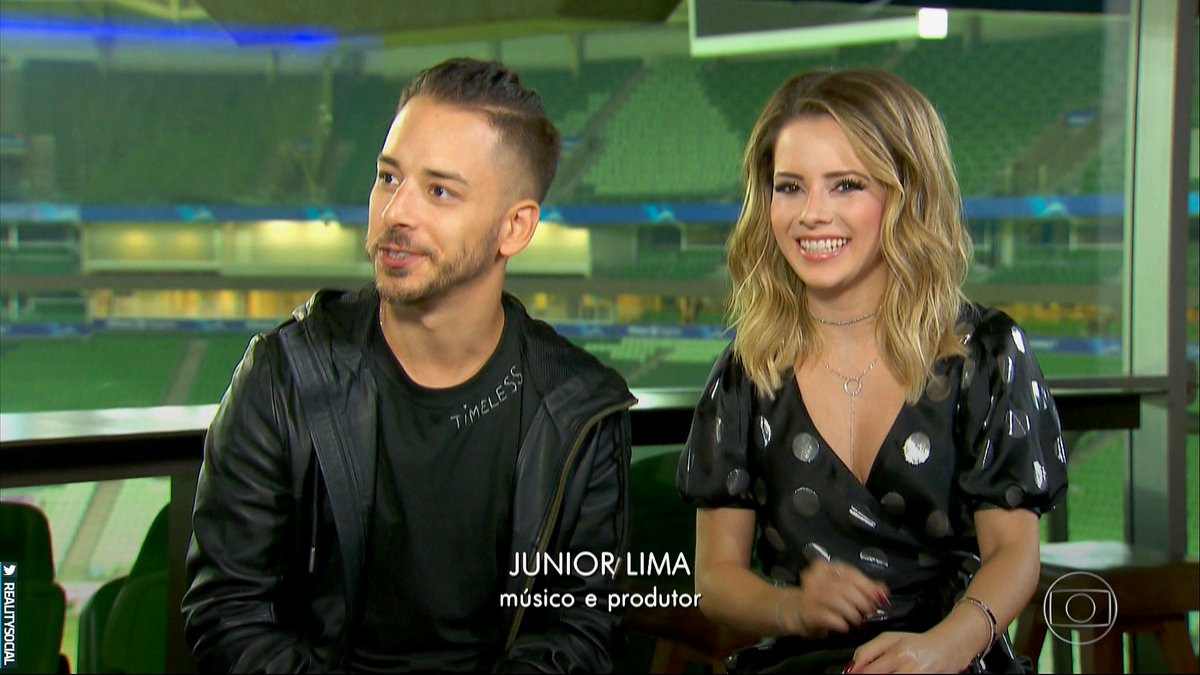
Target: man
x,y
380,460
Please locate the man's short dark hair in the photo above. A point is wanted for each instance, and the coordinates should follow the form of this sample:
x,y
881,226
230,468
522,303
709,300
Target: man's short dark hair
x,y
514,111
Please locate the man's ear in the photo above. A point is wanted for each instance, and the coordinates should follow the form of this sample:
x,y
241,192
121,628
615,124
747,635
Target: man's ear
x,y
520,222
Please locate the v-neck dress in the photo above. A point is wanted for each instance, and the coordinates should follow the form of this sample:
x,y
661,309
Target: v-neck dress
x,y
985,434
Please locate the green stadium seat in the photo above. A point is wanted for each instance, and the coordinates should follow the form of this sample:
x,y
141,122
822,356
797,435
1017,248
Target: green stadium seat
x,y
41,602
92,618
123,627
663,524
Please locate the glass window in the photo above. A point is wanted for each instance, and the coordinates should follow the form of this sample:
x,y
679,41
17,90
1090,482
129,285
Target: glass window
x,y
1193,322
168,196
168,189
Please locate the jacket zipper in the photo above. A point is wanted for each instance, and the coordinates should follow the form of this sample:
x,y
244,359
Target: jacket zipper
x,y
560,491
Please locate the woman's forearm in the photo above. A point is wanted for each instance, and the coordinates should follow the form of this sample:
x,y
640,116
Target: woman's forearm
x,y
1004,583
735,596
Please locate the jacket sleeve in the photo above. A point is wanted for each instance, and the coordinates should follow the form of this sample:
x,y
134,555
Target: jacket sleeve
x,y
595,520
237,557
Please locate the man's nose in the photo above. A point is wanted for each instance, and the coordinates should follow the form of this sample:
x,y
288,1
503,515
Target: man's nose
x,y
398,208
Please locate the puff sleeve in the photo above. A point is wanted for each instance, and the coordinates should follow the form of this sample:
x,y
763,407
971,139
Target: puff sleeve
x,y
714,468
1007,424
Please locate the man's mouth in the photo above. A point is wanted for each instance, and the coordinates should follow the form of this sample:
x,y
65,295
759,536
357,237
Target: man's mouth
x,y
397,257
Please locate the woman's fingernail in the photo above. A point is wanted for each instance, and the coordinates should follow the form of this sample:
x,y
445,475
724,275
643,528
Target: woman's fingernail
x,y
884,602
849,668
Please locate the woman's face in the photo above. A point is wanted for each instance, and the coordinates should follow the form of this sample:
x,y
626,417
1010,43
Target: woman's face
x,y
826,212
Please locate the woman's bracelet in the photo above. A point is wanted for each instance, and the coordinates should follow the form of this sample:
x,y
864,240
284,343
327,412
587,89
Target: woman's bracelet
x,y
989,617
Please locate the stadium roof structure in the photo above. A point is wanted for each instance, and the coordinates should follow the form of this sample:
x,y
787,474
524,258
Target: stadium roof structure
x,y
407,22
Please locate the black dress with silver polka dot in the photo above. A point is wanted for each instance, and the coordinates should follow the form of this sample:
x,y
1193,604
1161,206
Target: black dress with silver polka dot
x,y
985,434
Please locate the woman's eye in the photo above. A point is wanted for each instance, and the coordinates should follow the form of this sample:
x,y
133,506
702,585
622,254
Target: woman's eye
x,y
786,188
850,185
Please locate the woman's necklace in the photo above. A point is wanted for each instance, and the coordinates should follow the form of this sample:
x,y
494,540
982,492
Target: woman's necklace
x,y
853,387
846,322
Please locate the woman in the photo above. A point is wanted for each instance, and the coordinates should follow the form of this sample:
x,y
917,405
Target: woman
x,y
888,441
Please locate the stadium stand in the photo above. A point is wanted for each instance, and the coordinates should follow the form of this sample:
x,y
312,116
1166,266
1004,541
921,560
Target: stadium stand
x,y
740,88
49,307
40,260
571,98
361,116
291,139
650,152
1051,266
134,634
993,113
100,151
693,264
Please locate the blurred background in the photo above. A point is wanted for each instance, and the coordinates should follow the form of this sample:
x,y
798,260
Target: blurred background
x,y
177,175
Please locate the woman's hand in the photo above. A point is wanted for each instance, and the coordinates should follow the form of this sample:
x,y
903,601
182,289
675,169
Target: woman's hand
x,y
831,597
909,653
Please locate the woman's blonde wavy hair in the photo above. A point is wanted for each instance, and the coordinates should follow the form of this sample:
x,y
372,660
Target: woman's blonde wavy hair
x,y
898,136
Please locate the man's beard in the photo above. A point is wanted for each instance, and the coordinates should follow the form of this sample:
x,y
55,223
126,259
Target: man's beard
x,y
468,263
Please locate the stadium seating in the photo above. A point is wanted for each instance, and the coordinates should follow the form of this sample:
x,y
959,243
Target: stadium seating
x,y
122,629
135,633
101,153
1055,266
571,98
363,109
678,135
662,524
41,602
42,261
658,264
993,114
92,617
651,152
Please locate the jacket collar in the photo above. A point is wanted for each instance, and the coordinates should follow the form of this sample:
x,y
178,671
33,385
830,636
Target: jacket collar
x,y
346,318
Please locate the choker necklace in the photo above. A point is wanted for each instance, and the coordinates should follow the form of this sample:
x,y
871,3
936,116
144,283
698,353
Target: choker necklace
x,y
853,387
847,322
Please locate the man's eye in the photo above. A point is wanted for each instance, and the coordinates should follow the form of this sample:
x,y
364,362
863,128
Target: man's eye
x,y
385,178
440,192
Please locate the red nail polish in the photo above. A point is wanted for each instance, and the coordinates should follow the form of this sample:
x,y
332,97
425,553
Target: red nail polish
x,y
849,668
883,601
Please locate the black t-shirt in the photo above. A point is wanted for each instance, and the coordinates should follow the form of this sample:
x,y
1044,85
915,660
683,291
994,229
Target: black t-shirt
x,y
439,545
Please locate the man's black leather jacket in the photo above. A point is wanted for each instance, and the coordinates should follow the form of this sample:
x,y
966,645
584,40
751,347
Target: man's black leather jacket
x,y
285,495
